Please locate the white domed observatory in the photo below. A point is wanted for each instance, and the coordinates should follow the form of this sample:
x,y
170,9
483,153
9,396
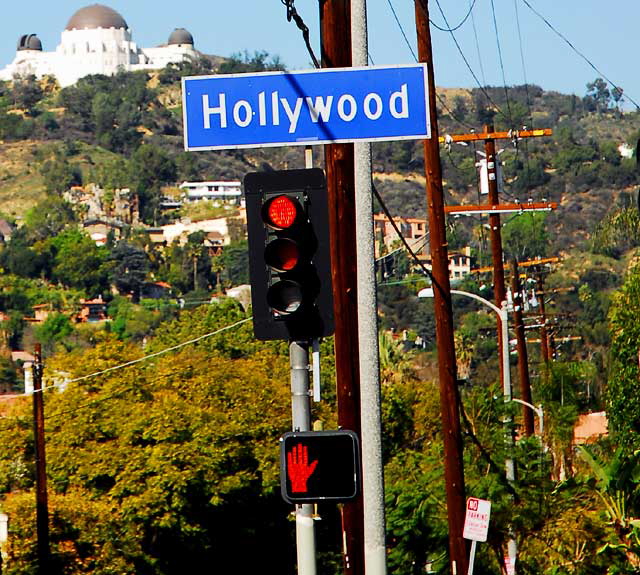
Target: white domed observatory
x,y
96,40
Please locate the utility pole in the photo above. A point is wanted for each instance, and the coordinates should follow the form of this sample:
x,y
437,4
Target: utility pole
x,y
493,207
335,25
42,507
449,395
495,233
521,343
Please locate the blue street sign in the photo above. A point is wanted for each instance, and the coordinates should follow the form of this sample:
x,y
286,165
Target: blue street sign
x,y
310,107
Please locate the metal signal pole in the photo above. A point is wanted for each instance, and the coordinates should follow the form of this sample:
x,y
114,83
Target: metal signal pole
x,y
301,416
449,396
42,506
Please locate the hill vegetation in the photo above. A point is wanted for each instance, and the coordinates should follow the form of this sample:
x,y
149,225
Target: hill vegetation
x,y
162,451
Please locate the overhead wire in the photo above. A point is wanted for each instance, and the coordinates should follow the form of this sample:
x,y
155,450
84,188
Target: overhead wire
x,y
475,34
415,57
404,35
579,53
449,29
292,14
504,79
465,60
134,361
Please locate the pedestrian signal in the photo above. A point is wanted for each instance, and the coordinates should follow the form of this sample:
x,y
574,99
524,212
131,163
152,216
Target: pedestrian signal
x,y
319,466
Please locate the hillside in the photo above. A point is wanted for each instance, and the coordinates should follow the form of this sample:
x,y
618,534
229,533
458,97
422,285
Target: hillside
x,y
162,432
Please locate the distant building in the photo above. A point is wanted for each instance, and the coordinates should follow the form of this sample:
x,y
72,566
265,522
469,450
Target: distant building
x,y
96,40
230,192
590,427
99,230
412,229
6,231
92,310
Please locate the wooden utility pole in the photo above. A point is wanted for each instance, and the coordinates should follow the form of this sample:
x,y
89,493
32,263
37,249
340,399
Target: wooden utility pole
x,y
335,25
493,208
449,395
495,233
42,507
521,344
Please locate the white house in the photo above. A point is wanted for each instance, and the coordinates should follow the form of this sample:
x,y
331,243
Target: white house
x,y
96,40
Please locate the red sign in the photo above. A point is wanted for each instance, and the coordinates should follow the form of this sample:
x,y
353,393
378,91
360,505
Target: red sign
x,y
476,521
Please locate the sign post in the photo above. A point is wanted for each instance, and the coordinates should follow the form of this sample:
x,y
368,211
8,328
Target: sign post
x,y
476,525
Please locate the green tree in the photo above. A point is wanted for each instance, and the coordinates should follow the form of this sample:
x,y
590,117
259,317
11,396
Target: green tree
x,y
55,330
525,236
59,175
259,61
78,262
623,403
598,92
27,92
129,270
150,168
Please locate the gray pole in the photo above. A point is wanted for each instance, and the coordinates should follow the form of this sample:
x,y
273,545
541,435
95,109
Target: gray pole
x,y
301,415
372,470
512,548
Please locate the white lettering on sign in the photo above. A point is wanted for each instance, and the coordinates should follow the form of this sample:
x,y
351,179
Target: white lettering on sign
x,y
221,109
319,108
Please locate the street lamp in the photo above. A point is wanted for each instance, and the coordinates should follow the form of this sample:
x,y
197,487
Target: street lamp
x,y
506,384
537,410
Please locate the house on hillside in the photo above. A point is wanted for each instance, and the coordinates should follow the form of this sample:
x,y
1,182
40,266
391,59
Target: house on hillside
x,y
413,230
6,231
41,312
99,229
92,310
218,191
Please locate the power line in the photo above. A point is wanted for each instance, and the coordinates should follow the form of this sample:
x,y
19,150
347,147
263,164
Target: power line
x,y
475,34
472,4
393,11
292,14
464,58
504,79
135,361
589,62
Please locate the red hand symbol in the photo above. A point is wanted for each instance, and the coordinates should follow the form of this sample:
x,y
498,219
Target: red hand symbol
x,y
299,468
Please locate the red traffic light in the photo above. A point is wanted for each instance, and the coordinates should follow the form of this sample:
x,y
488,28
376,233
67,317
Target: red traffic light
x,y
282,254
281,212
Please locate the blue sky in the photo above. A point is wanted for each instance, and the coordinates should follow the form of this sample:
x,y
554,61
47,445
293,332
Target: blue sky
x,y
605,33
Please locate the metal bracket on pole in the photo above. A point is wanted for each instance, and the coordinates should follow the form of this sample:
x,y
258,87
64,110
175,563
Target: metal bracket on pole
x,y
315,369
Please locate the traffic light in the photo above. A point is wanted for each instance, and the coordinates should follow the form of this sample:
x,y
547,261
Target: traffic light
x,y
319,466
289,260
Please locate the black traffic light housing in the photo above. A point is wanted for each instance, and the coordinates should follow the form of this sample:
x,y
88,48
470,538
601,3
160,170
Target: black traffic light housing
x,y
319,466
289,254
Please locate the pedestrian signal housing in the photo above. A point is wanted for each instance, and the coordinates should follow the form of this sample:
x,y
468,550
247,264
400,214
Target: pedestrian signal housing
x,y
319,466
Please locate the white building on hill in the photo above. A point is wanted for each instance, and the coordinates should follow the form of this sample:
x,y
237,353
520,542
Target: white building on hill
x,y
96,40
